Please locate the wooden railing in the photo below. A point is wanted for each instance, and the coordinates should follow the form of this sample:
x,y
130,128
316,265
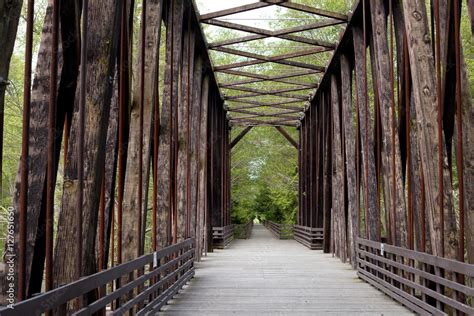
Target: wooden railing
x,y
424,283
243,231
222,236
281,231
157,278
308,236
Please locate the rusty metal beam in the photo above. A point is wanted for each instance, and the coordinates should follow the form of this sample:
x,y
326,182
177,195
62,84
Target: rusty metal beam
x,y
309,9
262,33
235,10
259,59
279,59
239,137
287,136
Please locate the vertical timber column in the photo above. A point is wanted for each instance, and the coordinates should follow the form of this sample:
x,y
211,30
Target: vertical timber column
x,y
103,41
170,100
366,134
202,199
143,96
309,215
300,187
211,171
338,169
350,152
184,106
327,173
423,72
307,172
195,146
320,164
394,196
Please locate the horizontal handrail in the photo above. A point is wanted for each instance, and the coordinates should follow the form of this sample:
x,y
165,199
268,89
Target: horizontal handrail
x,y
179,255
281,231
420,281
243,231
222,236
310,237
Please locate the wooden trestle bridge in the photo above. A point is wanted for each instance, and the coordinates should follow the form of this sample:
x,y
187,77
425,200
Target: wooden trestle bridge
x,y
385,159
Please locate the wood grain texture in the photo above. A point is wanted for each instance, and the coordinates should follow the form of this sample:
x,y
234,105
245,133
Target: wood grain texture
x,y
267,276
130,200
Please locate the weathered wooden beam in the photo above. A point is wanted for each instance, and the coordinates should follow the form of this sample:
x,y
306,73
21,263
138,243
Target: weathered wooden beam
x,y
203,175
287,136
327,170
367,173
239,137
426,105
184,129
194,151
170,100
394,196
350,153
338,199
104,46
130,243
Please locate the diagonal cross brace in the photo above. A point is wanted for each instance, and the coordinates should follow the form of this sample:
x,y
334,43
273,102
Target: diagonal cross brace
x,y
287,136
240,136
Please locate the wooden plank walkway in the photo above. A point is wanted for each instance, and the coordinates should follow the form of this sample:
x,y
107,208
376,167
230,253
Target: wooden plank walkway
x,y
267,276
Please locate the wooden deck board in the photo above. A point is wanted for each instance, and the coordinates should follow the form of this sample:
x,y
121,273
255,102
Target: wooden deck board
x,y
266,276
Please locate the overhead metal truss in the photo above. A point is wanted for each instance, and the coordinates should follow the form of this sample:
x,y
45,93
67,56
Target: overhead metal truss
x,y
245,89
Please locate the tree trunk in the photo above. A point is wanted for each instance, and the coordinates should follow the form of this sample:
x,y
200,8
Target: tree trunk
x,y
102,51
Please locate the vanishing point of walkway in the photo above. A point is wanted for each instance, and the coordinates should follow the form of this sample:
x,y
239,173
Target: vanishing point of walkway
x,y
267,276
